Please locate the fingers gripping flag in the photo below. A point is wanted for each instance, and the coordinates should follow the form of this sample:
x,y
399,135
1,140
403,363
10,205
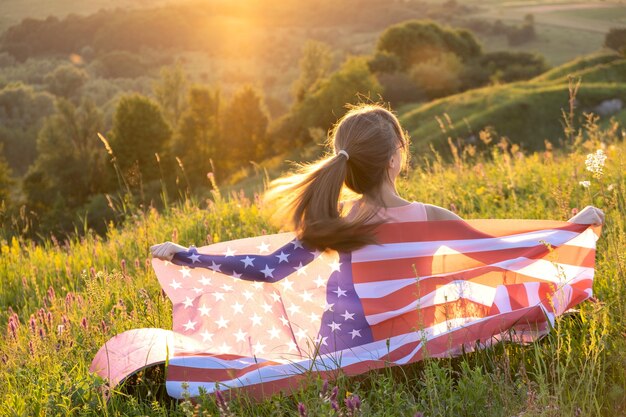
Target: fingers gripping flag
x,y
263,313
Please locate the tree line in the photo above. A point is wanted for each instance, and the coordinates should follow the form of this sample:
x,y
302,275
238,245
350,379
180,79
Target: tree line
x,y
170,138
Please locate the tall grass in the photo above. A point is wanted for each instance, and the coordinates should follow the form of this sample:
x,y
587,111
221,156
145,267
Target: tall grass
x,y
60,301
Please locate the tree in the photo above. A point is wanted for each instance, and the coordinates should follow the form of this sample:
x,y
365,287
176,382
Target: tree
x,y
66,81
6,181
139,131
616,39
418,41
170,92
197,137
70,166
22,110
439,76
244,123
315,63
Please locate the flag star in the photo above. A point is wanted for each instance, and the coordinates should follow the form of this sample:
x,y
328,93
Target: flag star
x,y
297,244
282,257
240,336
319,281
287,285
237,308
227,287
263,247
194,258
284,321
321,340
268,271
292,346
328,307
293,309
314,317
204,310
229,252
215,267
301,334
340,292
188,302
166,263
224,348
355,333
190,325
196,290
205,281
247,261
316,253
236,275
256,320
218,296
301,269
335,266
247,294
275,296
206,336
258,348
175,285
334,326
347,316
222,323
274,332
267,308
258,285
185,271
306,296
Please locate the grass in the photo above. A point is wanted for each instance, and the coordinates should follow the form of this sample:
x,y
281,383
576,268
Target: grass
x,y
527,112
60,301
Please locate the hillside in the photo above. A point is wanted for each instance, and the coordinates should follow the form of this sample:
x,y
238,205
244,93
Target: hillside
x,y
80,292
527,112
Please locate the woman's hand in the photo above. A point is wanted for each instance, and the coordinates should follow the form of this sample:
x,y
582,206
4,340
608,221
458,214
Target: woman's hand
x,y
166,250
589,215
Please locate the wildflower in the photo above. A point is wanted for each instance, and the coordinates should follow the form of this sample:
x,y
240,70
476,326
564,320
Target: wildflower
x,y
585,184
83,323
302,410
418,414
610,188
42,333
32,324
12,329
123,266
595,163
50,294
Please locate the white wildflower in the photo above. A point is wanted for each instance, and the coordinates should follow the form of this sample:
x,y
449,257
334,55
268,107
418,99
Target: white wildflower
x,y
595,163
585,184
611,187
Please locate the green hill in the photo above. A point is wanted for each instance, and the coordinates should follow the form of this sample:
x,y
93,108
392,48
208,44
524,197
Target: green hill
x,y
527,112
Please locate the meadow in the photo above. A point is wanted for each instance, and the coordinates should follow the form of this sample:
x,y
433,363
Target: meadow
x,y
61,300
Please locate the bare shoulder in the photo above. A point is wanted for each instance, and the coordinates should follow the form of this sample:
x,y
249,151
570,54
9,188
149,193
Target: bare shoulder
x,y
439,213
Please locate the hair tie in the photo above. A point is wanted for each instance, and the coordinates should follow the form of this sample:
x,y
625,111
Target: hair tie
x,y
342,152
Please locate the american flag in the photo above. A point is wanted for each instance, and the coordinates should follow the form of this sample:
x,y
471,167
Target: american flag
x,y
263,314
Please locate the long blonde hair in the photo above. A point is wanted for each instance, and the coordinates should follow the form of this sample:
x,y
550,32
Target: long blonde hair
x,y
370,135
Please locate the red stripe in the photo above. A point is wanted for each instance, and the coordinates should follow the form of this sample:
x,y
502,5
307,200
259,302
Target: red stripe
x,y
388,269
422,318
430,231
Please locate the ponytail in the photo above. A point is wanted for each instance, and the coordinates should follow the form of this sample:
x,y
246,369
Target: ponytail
x,y
364,140
311,199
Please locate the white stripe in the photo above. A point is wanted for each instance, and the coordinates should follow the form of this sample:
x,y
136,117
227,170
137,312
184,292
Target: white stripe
x,y
409,250
479,293
535,268
372,351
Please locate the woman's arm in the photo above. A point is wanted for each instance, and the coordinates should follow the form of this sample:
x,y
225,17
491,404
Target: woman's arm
x,y
439,213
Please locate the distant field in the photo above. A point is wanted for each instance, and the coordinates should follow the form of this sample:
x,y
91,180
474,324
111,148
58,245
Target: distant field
x,y
13,11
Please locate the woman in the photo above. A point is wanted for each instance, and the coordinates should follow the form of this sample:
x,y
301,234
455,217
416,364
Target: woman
x,y
370,150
